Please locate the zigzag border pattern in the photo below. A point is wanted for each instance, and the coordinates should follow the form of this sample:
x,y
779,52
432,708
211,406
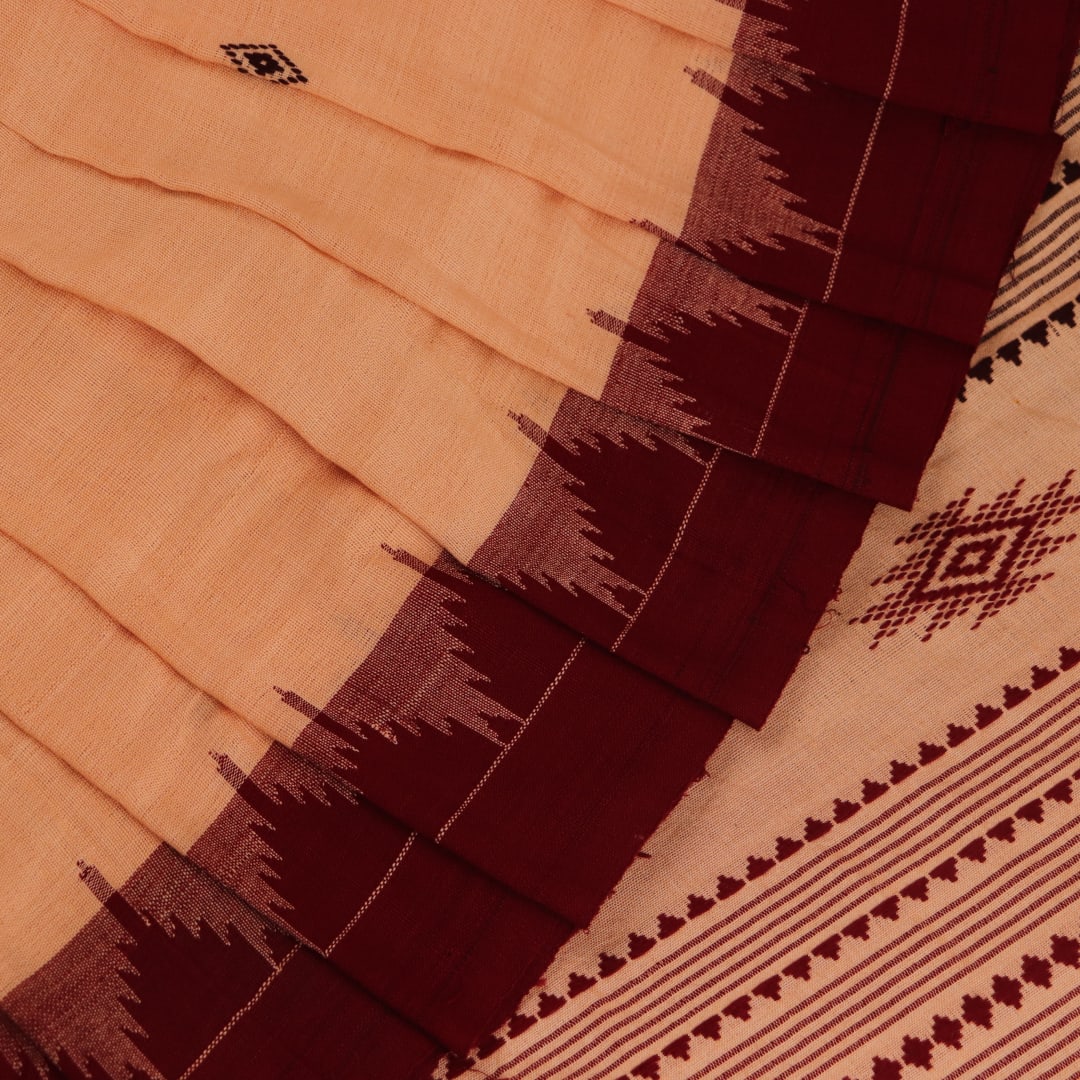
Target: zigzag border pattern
x,y
896,772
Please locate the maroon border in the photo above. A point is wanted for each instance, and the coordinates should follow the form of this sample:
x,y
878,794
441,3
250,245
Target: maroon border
x,y
840,398
700,566
880,232
955,64
174,972
352,884
483,724
488,727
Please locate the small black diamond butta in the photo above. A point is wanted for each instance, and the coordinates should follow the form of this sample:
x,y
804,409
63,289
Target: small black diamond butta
x,y
265,61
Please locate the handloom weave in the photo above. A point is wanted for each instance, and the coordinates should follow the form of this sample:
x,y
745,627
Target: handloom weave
x,y
427,429
882,883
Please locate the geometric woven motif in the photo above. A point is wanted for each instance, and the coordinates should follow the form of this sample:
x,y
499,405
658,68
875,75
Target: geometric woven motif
x,y
965,561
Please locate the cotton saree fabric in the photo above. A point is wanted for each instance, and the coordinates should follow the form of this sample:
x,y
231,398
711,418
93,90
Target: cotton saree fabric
x,y
429,430
881,409
563,288
610,524
903,900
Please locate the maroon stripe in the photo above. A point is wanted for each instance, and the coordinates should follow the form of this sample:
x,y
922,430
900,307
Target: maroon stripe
x,y
675,964
174,976
901,216
309,855
988,807
549,759
714,990
810,922
701,567
955,62
871,1007
1042,896
1068,1023
814,960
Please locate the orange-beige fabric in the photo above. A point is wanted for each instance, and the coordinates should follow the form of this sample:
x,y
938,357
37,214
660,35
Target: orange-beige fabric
x,y
429,433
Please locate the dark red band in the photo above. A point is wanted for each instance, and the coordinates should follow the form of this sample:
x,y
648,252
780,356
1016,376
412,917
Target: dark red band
x,y
677,556
1002,62
495,730
863,233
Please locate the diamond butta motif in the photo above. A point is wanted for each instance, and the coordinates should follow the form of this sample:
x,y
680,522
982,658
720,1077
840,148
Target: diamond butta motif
x,y
266,61
966,560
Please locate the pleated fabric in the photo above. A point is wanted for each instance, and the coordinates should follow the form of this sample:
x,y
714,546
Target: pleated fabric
x,y
427,429
903,900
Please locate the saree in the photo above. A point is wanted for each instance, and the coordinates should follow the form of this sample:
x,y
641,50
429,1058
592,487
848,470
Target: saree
x,y
422,450
903,900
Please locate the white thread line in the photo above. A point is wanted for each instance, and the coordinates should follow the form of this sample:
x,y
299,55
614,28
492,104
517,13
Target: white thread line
x,y
845,224
780,379
510,745
400,858
391,870
886,93
254,999
670,555
236,1016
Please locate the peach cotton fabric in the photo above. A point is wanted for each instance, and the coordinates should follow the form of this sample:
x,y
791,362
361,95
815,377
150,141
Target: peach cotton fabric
x,y
414,392
428,430
594,294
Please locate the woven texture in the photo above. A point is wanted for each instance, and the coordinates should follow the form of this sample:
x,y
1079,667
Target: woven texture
x,y
430,432
901,901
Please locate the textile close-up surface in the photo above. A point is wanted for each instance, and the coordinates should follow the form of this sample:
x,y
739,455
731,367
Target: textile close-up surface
x,y
538,542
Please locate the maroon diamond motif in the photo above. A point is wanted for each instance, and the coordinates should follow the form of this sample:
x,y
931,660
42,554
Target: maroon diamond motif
x,y
965,560
964,563
266,61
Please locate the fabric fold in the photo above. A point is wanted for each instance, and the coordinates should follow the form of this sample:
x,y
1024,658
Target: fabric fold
x,y
577,95
615,527
797,188
900,214
1010,70
271,580
614,310
323,866
140,965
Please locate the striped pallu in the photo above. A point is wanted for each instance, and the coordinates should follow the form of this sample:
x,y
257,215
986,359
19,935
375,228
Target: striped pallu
x,y
342,688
